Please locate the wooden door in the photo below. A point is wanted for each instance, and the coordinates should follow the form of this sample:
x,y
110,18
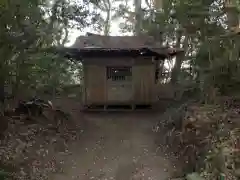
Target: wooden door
x,y
143,79
95,84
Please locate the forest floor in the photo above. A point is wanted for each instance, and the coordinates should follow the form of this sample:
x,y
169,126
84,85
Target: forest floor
x,y
117,146
192,137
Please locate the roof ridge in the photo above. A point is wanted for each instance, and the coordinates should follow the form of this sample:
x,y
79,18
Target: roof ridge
x,y
114,41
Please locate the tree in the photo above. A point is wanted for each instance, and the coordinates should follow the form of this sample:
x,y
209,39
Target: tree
x,y
138,16
105,8
27,27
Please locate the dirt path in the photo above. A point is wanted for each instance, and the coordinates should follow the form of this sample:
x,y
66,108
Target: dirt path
x,y
116,147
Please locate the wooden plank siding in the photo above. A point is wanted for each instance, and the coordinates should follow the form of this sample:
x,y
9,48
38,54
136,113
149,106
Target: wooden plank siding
x,y
95,84
144,84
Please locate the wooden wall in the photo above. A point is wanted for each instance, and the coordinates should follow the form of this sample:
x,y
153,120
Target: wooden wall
x,y
95,82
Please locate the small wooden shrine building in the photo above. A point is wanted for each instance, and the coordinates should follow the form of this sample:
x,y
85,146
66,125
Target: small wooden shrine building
x,y
118,70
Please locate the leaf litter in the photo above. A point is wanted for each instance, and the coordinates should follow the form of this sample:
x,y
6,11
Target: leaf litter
x,y
30,148
205,138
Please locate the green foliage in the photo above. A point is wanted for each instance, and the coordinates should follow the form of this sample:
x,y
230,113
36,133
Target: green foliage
x,y
3,174
29,26
197,27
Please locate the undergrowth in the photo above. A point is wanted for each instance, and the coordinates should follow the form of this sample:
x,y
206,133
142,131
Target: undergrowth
x,y
3,174
205,138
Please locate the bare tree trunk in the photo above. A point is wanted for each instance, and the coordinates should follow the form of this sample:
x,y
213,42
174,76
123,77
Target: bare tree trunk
x,y
138,16
107,24
179,58
2,93
3,75
107,6
232,14
65,39
20,61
